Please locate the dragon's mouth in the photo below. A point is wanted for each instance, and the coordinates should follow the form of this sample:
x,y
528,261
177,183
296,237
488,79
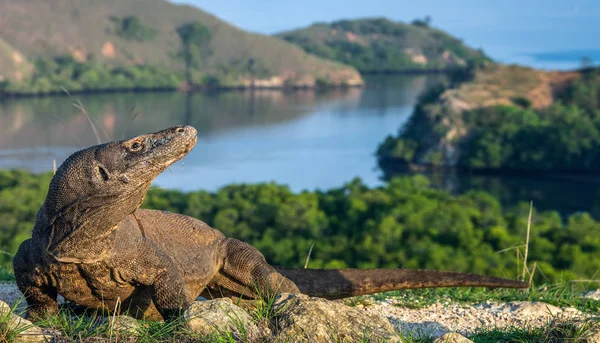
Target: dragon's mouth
x,y
169,149
186,150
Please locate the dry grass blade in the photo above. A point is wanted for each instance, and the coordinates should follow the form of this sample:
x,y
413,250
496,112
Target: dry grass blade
x,y
518,259
7,253
585,281
111,327
527,240
511,248
54,165
132,115
308,256
532,273
65,90
80,107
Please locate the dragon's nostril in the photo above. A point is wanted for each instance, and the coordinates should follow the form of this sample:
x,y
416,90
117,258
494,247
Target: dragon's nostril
x,y
180,130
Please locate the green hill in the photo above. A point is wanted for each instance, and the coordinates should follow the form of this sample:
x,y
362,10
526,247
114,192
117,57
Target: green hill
x,y
504,119
88,44
12,63
382,45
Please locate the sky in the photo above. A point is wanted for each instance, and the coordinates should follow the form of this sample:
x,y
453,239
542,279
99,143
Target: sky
x,y
508,30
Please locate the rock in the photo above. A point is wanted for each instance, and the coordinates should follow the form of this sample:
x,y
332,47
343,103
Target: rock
x,y
219,316
578,330
125,326
592,336
18,330
594,295
300,317
529,309
523,309
592,331
452,337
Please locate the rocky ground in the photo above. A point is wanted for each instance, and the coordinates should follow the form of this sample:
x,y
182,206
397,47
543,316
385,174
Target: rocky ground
x,y
319,320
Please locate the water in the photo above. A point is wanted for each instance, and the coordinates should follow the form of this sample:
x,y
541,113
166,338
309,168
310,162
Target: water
x,y
304,139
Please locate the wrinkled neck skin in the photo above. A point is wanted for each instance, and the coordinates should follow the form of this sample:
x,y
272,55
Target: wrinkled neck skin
x,y
82,211
96,188
83,231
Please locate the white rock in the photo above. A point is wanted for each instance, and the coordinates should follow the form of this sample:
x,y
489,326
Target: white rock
x,y
24,330
453,337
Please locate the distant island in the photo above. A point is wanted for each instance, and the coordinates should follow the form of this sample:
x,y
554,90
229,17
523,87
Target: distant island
x,y
383,46
145,44
157,45
503,119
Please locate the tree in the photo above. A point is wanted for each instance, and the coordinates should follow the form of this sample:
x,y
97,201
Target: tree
x,y
586,62
425,22
193,36
132,28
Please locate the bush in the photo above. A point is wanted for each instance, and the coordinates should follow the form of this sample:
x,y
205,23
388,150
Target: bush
x,y
52,75
132,28
402,224
562,137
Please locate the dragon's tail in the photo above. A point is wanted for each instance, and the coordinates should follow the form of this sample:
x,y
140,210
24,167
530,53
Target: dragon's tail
x,y
342,283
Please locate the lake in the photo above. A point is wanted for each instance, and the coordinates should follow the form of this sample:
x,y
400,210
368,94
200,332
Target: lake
x,y
305,139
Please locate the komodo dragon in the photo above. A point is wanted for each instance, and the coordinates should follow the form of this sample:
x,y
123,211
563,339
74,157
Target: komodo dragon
x,y
93,245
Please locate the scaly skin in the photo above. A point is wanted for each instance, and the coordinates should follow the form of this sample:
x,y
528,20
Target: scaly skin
x,y
93,245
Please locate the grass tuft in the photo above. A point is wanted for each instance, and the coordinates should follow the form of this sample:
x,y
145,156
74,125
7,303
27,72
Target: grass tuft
x,y
6,274
150,332
553,332
9,327
561,295
76,327
509,335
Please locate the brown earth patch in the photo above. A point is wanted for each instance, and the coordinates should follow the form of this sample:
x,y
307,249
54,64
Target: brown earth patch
x,y
500,84
108,50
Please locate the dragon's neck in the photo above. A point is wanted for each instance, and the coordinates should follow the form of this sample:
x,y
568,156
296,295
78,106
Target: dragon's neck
x,y
83,231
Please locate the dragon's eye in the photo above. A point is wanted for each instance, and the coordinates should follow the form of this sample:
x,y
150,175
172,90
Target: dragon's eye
x,y
103,173
135,146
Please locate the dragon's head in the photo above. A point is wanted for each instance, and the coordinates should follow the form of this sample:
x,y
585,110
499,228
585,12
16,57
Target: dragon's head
x,y
96,188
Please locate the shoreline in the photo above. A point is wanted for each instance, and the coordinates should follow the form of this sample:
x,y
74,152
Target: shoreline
x,y
410,71
391,166
203,89
197,89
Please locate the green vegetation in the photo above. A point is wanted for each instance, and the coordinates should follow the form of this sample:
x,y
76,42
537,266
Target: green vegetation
x,y
381,45
404,224
562,136
9,328
138,45
132,28
93,326
563,332
64,72
13,65
194,38
562,295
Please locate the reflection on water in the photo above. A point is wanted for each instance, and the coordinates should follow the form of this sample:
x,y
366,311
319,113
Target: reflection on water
x,y
566,194
305,139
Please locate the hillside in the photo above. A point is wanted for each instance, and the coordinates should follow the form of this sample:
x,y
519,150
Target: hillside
x,y
12,64
382,45
504,118
138,39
